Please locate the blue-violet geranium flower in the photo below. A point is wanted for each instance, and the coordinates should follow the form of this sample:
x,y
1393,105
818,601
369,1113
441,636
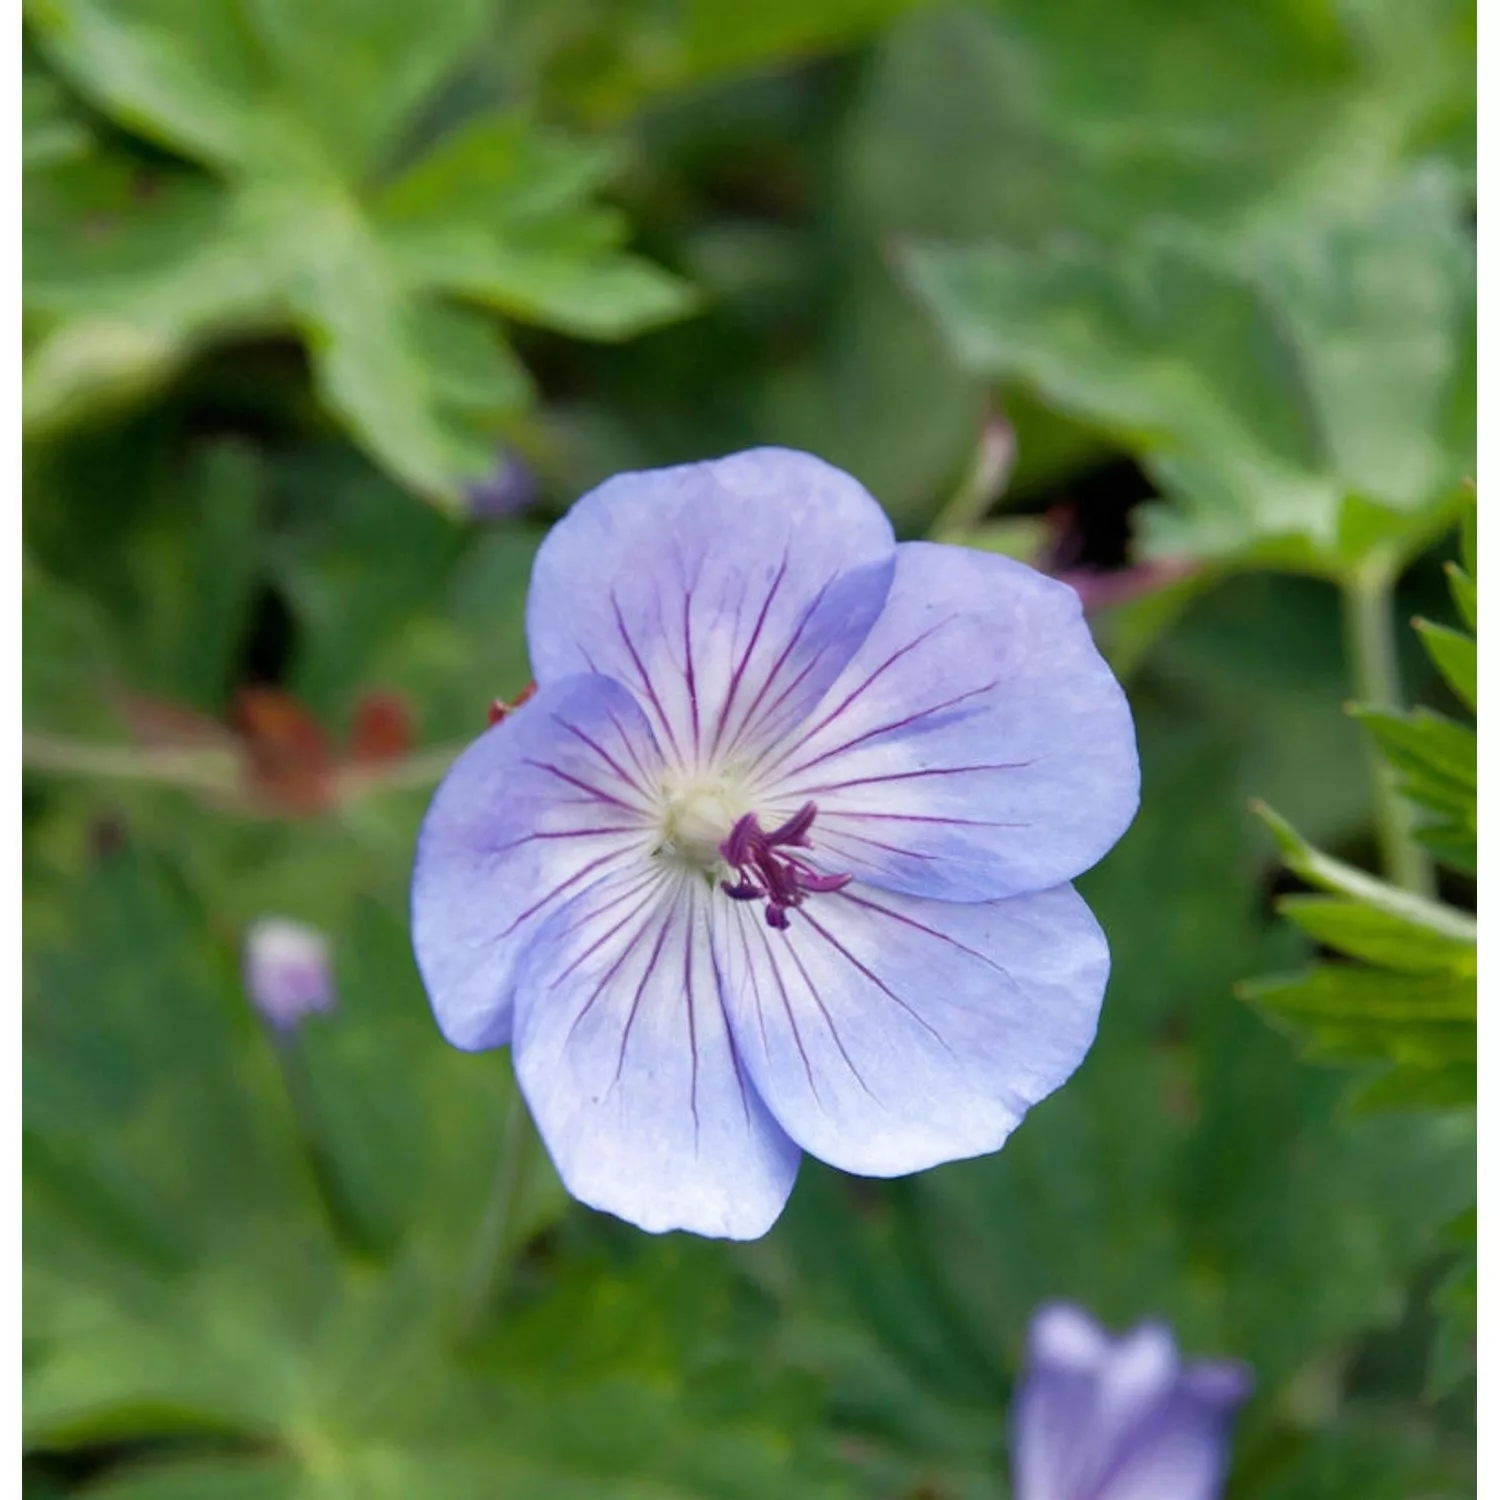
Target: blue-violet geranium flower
x,y
1100,1418
776,858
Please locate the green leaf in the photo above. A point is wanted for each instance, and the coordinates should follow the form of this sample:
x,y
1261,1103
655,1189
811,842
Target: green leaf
x,y
1272,386
607,64
297,108
1455,656
1334,875
1465,595
1150,347
1377,937
1425,745
1437,764
1339,992
1451,1086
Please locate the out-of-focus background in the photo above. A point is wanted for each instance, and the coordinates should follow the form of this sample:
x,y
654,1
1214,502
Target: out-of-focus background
x,y
330,308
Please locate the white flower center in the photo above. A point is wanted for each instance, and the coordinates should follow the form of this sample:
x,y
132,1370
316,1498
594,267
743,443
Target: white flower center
x,y
697,817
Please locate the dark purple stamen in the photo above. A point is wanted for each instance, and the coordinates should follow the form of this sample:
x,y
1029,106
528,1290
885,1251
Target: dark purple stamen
x,y
766,872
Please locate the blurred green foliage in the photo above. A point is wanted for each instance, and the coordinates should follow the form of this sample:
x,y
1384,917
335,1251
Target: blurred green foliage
x,y
292,271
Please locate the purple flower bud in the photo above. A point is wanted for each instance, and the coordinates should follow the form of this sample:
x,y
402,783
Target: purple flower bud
x,y
288,971
509,489
1119,1419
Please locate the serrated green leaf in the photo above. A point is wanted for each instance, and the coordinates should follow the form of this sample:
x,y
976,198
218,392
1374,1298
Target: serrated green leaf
x,y
1342,879
558,287
1465,595
1377,937
1426,744
1147,341
296,121
1349,992
607,64
178,73
1455,656
1423,1044
504,169
1451,1086
1451,845
1143,352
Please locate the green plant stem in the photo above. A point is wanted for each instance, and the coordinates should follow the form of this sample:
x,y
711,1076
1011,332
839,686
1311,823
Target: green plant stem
x,y
1370,630
214,772
489,1260
200,770
982,485
347,1222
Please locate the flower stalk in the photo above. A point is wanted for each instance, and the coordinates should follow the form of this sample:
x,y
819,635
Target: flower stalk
x,y
490,1258
1369,624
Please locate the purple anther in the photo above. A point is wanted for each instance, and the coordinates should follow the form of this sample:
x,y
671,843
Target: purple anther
x,y
765,873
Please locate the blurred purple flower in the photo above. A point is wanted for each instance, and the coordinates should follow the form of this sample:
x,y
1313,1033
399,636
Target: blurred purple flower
x,y
1119,1419
288,971
508,489
776,858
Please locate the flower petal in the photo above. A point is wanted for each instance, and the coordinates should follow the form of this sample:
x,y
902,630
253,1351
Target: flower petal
x,y
976,747
888,1034
1084,1394
1181,1450
628,1064
1118,1419
550,800
726,595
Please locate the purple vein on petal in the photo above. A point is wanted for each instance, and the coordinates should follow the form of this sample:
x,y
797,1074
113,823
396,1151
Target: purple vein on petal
x,y
629,744
602,753
746,925
833,1030
689,919
609,974
640,989
942,937
744,661
808,667
854,693
862,816
687,663
556,891
645,676
597,793
563,833
648,883
765,1040
734,1051
875,979
831,837
837,786
749,715
891,728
